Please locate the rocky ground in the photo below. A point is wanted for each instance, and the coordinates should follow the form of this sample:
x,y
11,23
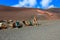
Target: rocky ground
x,y
47,30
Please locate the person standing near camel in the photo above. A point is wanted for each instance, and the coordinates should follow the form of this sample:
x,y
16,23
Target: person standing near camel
x,y
35,20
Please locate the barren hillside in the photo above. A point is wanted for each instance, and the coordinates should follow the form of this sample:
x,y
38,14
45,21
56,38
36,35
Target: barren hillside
x,y
7,13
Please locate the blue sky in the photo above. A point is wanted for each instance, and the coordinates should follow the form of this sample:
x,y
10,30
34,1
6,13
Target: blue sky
x,y
8,2
32,3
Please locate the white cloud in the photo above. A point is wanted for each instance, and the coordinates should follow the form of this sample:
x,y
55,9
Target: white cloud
x,y
45,3
17,5
51,6
33,3
26,3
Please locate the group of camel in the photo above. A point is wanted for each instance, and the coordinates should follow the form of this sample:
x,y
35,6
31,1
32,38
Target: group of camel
x,y
17,24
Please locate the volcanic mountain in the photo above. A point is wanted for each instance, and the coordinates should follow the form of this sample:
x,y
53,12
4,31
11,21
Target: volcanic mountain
x,y
17,13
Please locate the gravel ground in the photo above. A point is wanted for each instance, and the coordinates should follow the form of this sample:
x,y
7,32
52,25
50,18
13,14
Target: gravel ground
x,y
48,30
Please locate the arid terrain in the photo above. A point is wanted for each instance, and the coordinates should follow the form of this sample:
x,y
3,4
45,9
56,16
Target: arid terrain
x,y
49,20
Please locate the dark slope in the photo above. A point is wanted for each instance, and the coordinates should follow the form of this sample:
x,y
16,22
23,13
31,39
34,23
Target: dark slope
x,y
55,10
